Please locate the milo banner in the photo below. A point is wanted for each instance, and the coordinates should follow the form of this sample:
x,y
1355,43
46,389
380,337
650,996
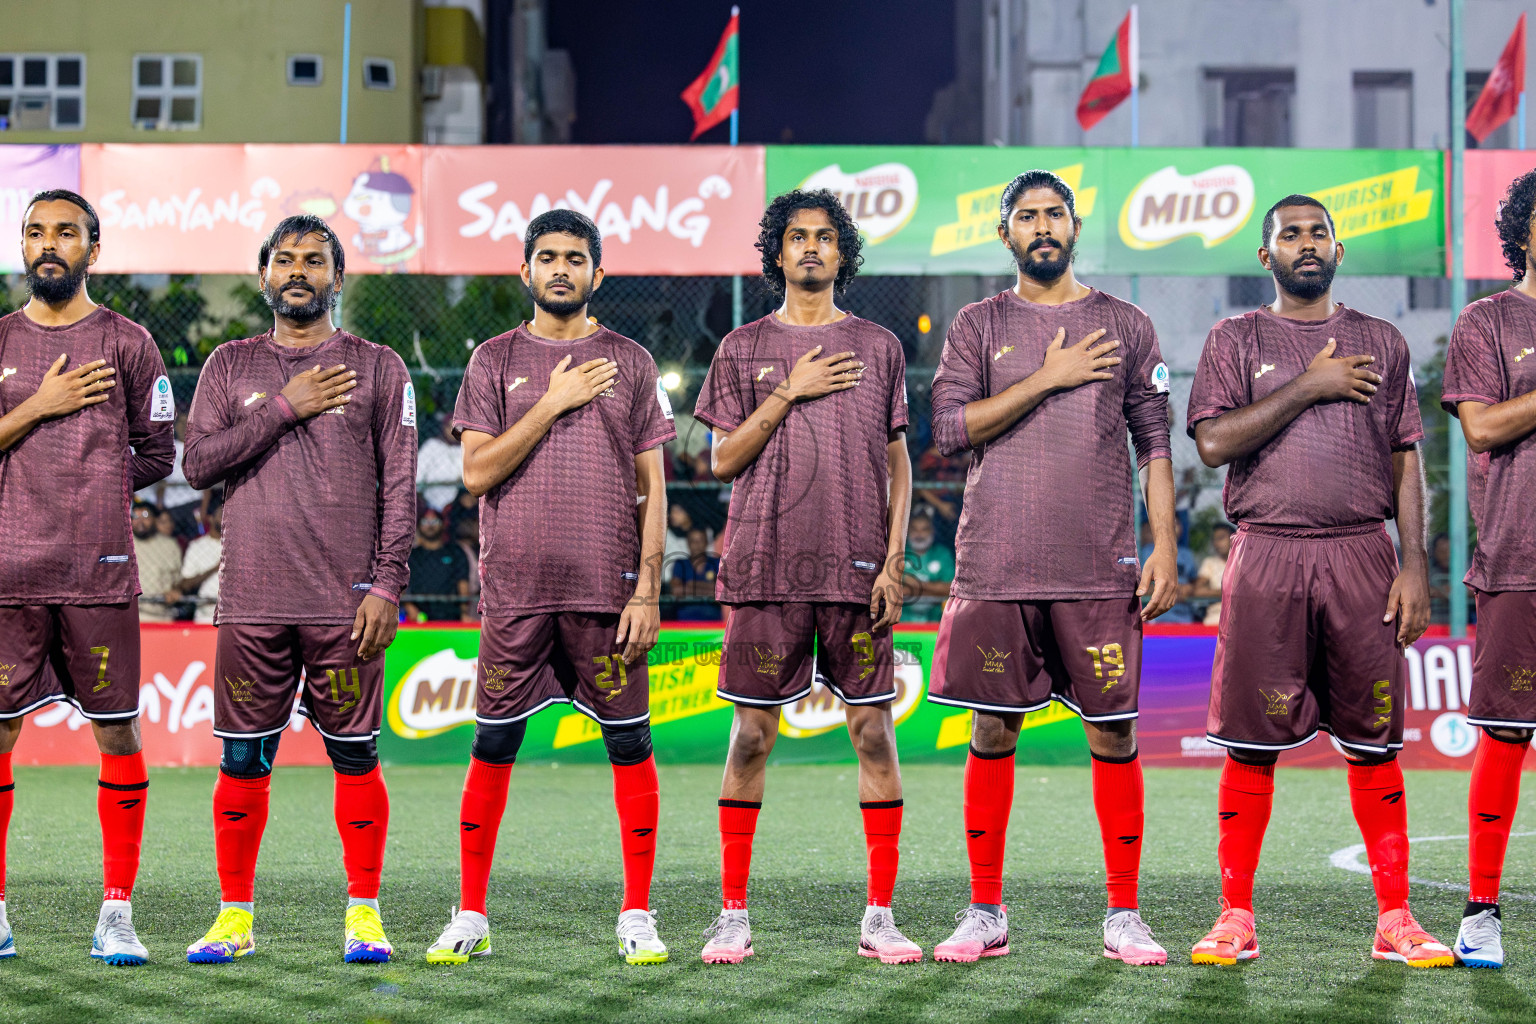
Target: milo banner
x,y
429,708
934,210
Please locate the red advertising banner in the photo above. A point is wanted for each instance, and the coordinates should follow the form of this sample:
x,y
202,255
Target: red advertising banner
x,y
175,711
197,209
1488,174
661,209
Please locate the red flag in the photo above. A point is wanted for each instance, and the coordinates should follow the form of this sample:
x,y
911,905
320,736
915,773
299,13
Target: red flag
x,y
1113,79
714,94
1500,97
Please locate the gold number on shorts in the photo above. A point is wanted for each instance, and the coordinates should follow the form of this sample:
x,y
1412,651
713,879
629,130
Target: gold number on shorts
x,y
1384,701
102,682
864,651
344,681
611,666
1108,663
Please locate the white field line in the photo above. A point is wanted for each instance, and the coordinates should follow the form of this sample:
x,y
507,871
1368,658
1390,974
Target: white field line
x,y
1348,859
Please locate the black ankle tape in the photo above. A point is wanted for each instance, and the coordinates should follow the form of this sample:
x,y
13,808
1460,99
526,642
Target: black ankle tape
x,y
1108,759
753,805
992,757
879,805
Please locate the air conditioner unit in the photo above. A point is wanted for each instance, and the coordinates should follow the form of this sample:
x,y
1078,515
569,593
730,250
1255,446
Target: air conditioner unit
x,y
431,82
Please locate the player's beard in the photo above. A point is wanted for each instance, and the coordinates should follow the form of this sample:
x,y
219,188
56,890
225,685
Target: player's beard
x,y
562,307
59,287
1305,288
1045,271
320,303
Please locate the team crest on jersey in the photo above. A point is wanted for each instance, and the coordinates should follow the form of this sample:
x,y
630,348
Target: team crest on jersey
x,y
1276,703
1160,381
5,674
608,392
768,662
765,371
240,689
1001,352
162,403
994,660
1523,353
497,678
514,385
1520,678
256,396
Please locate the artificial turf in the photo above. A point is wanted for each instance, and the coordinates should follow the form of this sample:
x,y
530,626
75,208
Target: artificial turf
x,y
556,887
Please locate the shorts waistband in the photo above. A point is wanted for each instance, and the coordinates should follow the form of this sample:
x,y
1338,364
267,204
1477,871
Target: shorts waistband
x,y
1311,532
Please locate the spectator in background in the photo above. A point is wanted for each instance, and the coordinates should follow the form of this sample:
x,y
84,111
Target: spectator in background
x,y
185,504
694,577
200,566
1208,579
440,465
929,571
674,545
463,506
439,570
466,530
1440,578
1188,570
165,526
159,559
690,451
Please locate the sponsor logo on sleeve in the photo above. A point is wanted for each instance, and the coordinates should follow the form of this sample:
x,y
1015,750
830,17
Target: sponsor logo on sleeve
x,y
1160,378
515,383
662,399
408,406
162,404
1523,353
1262,370
1001,352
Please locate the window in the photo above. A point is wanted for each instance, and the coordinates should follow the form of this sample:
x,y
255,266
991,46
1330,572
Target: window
x,y
42,92
1429,293
1384,109
378,73
1250,292
1249,108
1502,137
167,91
306,69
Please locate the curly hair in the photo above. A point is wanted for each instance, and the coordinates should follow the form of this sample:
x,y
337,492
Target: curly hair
x,y
770,239
1514,221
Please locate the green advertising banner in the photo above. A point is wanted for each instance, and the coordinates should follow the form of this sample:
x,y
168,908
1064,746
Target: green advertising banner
x,y
934,210
429,709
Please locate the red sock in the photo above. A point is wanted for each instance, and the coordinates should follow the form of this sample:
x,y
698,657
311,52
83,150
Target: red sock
x,y
480,810
1491,807
1120,798
362,818
7,800
239,819
636,795
988,801
738,824
882,834
122,791
1243,802
1376,795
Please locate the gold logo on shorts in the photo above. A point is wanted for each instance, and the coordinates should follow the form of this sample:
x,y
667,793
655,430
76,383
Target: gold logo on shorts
x,y
1277,703
992,661
5,674
1520,678
240,689
768,663
496,677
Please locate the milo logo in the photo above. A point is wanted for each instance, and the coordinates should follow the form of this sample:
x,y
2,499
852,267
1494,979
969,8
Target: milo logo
x,y
880,199
437,694
1212,205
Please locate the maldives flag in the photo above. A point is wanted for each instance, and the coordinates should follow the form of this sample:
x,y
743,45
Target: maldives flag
x,y
1500,97
1112,79
712,96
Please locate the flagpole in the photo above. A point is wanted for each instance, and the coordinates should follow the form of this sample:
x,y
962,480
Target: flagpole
x,y
1135,115
1520,122
735,112
1458,442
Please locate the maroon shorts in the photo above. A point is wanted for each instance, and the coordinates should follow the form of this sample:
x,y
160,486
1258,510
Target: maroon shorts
x,y
529,662
1504,661
257,670
1301,645
86,654
771,651
1004,657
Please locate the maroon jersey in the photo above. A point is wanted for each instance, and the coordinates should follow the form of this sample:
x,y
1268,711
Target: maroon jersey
x,y
561,533
1492,359
317,514
808,516
1332,465
66,488
1048,509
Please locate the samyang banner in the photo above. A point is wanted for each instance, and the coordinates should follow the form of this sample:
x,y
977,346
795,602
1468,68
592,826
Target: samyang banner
x,y
935,210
